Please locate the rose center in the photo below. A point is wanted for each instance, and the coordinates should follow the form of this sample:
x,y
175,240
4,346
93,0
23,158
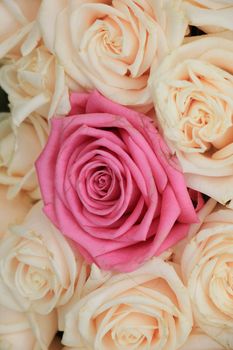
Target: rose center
x,y
113,44
128,336
112,38
204,117
102,181
37,280
102,184
134,329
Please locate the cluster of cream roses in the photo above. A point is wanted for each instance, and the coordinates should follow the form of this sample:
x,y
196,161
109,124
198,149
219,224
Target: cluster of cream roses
x,y
135,52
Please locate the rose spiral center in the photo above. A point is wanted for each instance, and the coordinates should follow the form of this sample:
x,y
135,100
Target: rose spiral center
x,y
129,336
204,107
38,281
112,38
101,182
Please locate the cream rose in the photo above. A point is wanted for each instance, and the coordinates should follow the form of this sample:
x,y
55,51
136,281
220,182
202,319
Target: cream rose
x,y
18,29
193,95
207,264
112,45
12,211
35,83
199,340
17,156
148,308
19,331
211,16
38,268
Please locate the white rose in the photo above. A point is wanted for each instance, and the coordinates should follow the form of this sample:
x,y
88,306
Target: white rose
x,y
18,29
19,331
207,269
111,46
35,83
38,268
19,149
12,211
193,95
149,306
210,15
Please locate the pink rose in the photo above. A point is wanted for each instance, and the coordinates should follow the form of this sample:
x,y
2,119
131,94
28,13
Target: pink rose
x,y
110,183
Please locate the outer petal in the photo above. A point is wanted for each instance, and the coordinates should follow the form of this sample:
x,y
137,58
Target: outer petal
x,y
197,339
210,18
12,210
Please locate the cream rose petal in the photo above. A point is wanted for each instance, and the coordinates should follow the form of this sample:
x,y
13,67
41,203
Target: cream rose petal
x,y
37,266
86,281
12,211
53,7
112,45
44,328
15,330
20,331
211,16
216,187
16,159
171,18
207,270
35,83
199,340
32,40
17,21
193,96
129,310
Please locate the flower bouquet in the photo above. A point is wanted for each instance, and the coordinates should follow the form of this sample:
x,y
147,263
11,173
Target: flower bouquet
x,y
116,174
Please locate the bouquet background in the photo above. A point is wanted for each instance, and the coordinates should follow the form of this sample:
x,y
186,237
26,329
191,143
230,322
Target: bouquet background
x,y
116,174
